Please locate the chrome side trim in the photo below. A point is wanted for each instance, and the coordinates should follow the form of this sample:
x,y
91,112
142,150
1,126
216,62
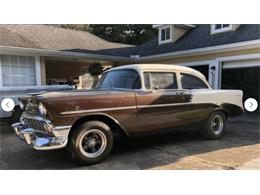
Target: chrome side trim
x,y
162,105
128,107
174,104
97,110
61,131
57,128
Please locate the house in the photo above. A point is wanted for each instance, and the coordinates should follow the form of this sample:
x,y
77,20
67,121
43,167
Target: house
x,y
32,56
35,55
227,54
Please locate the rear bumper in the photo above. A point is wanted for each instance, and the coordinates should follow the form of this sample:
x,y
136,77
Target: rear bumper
x,y
41,140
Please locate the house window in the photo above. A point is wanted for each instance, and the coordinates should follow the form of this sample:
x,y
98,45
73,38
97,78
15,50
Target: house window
x,y
165,35
219,28
18,70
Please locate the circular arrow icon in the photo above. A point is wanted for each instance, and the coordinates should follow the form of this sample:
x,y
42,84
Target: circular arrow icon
x,y
7,104
251,104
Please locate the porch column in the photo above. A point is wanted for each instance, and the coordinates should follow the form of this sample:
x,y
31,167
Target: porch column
x,y
43,71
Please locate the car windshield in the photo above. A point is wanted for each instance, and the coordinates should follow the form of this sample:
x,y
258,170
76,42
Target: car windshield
x,y
123,79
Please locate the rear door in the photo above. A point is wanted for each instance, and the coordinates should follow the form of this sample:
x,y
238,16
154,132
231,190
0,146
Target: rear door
x,y
161,107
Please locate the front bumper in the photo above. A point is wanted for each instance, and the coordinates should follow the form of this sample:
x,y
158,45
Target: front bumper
x,y
54,138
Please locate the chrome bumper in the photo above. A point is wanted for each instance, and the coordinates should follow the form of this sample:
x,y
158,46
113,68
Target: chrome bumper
x,y
41,140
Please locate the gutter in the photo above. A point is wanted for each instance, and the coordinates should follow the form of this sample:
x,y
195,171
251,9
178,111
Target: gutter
x,y
58,53
205,50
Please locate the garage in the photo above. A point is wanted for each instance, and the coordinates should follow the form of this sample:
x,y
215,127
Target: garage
x,y
204,69
243,75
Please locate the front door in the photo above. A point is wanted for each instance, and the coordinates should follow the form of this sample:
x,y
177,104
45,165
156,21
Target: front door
x,y
161,110
163,105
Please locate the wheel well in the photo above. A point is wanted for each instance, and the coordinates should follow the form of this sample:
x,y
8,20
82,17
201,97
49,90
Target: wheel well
x,y
115,127
223,111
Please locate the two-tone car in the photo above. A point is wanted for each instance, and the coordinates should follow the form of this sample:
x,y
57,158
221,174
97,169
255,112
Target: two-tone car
x,y
134,100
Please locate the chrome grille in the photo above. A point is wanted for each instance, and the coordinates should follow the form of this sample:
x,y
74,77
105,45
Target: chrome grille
x,y
36,123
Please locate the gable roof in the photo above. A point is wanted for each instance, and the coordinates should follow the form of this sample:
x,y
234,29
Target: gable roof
x,y
52,38
198,37
56,38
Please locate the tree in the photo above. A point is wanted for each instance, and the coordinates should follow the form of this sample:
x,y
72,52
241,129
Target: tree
x,y
133,34
83,27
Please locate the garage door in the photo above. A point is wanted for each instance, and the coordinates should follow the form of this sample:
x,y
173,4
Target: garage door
x,y
204,69
241,64
243,75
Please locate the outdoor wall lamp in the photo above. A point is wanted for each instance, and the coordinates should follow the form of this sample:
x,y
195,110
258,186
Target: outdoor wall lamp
x,y
213,68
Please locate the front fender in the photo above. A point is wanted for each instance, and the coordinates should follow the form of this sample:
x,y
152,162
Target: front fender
x,y
102,117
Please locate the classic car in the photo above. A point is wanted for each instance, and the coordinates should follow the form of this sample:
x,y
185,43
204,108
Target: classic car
x,y
133,100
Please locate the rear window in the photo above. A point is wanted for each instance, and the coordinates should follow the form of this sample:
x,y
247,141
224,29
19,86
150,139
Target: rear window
x,y
192,82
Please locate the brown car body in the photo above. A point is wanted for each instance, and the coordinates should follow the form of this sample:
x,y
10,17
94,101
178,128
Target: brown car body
x,y
49,119
127,109
136,112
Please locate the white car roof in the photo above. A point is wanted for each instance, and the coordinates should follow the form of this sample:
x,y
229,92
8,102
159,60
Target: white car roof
x,y
160,67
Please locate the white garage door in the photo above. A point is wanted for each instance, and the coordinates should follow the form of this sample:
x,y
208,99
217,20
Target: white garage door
x,y
242,64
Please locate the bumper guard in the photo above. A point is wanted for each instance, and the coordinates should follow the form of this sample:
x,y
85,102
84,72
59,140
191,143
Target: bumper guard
x,y
41,140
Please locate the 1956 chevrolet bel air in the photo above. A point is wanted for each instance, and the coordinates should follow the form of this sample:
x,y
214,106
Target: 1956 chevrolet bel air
x,y
133,100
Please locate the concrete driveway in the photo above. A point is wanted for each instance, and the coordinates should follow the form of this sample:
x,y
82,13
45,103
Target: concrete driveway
x,y
239,149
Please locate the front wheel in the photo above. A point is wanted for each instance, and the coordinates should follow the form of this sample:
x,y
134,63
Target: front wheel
x,y
215,126
91,142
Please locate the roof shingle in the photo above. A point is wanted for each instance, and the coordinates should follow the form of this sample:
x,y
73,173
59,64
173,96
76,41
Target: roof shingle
x,y
52,38
197,37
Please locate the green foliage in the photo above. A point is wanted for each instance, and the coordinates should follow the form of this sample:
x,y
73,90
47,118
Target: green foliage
x,y
133,34
83,27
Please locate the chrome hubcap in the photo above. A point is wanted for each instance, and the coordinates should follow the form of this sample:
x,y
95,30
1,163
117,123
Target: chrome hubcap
x,y
217,124
92,143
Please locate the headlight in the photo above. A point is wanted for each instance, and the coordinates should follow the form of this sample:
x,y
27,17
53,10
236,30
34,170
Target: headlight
x,y
42,109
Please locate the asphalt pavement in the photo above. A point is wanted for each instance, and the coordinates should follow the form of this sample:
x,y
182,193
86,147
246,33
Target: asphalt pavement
x,y
238,149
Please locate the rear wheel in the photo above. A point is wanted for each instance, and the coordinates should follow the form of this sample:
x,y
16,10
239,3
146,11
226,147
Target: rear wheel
x,y
215,126
91,142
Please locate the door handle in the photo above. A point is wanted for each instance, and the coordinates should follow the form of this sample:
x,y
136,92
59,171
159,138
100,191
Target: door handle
x,y
180,93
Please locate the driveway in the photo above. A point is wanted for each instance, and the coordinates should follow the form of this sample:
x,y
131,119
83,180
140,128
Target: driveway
x,y
239,149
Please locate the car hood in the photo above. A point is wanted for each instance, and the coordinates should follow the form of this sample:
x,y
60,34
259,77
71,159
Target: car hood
x,y
80,100
77,93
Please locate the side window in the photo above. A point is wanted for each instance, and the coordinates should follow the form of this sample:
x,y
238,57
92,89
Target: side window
x,y
192,82
162,80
